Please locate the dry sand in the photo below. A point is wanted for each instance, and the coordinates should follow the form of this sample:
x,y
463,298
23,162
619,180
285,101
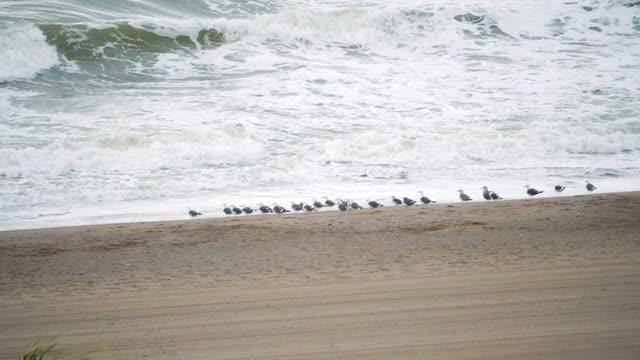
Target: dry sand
x,y
541,279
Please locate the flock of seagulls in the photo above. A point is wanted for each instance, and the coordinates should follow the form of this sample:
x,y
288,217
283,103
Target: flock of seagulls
x,y
344,205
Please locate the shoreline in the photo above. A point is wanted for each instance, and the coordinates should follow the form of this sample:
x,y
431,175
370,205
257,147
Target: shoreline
x,y
219,216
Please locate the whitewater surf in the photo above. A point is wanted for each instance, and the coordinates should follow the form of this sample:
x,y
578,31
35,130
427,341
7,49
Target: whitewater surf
x,y
135,111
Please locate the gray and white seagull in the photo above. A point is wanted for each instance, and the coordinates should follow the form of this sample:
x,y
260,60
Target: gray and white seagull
x,y
355,205
328,202
297,207
486,194
247,210
532,192
425,200
489,194
236,210
279,209
317,204
464,197
408,202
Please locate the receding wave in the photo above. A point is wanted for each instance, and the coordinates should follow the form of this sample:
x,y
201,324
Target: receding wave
x,y
80,42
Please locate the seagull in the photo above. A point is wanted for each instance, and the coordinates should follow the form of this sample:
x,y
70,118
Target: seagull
x,y
408,201
279,209
247,210
559,188
355,205
343,205
396,200
309,208
236,210
532,192
590,187
328,202
489,194
227,210
425,200
296,207
374,204
317,204
486,194
464,197
265,209
194,213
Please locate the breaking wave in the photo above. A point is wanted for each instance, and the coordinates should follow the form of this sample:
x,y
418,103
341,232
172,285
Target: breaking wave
x,y
24,52
135,44
123,41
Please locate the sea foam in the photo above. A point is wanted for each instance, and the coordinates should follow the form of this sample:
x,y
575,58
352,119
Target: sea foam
x,y
298,99
24,52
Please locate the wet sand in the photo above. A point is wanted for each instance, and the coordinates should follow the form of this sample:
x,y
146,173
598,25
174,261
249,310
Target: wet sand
x,y
541,279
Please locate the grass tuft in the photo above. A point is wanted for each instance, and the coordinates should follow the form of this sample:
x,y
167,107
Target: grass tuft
x,y
40,351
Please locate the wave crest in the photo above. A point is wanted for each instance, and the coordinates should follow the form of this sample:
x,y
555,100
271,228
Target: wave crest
x,y
25,52
81,42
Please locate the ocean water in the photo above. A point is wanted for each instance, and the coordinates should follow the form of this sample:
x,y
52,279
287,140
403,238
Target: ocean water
x,y
122,110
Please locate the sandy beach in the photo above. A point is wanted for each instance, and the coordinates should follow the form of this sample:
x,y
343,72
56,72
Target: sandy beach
x,y
555,278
